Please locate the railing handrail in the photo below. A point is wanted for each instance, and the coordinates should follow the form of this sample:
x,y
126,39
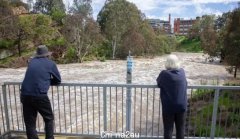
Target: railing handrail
x,y
221,87
106,100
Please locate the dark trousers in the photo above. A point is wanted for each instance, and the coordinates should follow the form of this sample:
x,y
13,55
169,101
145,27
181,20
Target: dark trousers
x,y
168,122
31,106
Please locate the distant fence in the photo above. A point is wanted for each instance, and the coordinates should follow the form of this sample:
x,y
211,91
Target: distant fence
x,y
100,109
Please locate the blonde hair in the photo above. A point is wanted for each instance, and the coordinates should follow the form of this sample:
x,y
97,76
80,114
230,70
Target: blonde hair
x,y
172,62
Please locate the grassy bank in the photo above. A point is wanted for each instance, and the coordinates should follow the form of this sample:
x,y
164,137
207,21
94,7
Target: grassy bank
x,y
188,45
200,113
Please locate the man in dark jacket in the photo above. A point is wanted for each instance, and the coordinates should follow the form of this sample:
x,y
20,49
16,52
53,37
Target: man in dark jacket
x,y
40,74
173,85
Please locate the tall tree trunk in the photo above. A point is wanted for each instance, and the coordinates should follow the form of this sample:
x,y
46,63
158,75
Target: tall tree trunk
x,y
78,43
235,72
19,48
114,44
85,53
19,43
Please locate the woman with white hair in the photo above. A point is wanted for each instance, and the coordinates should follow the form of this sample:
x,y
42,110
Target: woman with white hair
x,y
173,85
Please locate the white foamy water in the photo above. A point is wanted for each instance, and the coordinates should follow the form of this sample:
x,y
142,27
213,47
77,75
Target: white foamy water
x,y
145,71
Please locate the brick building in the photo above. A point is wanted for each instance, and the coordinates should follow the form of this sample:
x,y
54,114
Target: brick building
x,y
161,24
181,26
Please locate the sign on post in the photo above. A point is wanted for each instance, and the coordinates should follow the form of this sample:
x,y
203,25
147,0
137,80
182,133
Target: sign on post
x,y
129,93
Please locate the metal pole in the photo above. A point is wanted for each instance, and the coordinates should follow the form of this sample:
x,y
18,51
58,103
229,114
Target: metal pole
x,y
214,115
105,108
129,94
6,106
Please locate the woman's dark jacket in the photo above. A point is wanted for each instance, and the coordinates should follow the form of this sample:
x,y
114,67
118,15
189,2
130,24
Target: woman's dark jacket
x,y
41,73
173,85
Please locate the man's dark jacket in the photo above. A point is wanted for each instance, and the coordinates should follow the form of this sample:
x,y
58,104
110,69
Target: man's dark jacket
x,y
173,85
40,74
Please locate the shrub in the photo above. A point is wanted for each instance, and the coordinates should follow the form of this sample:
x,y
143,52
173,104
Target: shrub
x,y
71,55
6,44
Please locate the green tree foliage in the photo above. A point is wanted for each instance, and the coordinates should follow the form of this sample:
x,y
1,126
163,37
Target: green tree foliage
x,y
6,23
46,6
43,32
81,31
208,35
126,28
5,10
116,18
194,32
137,46
232,40
58,15
8,31
221,21
11,30
221,36
82,35
82,7
220,27
75,36
36,29
151,40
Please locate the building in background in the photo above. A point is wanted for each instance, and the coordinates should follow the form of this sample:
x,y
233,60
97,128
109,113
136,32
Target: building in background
x,y
181,26
161,24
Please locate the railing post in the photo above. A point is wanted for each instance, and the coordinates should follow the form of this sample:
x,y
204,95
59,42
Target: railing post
x,y
4,90
129,94
105,108
214,115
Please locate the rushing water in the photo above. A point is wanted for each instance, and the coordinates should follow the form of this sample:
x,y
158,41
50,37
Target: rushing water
x,y
145,71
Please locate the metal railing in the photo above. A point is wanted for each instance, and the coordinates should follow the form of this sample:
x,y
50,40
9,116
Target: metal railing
x,y
100,110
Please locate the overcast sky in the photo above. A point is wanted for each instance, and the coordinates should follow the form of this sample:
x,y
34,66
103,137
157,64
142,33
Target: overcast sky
x,y
177,8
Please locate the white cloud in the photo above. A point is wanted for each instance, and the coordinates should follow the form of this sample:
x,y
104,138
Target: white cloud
x,y
201,9
146,5
214,1
158,17
177,9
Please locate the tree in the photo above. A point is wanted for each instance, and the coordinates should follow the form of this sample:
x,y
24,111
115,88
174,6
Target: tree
x,y
82,7
12,30
137,46
58,16
33,28
46,6
208,36
232,41
8,30
221,21
80,30
220,27
194,31
5,10
115,19
150,38
82,35
9,26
